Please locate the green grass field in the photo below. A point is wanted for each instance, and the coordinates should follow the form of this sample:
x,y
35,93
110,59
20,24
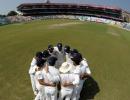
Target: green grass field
x,y
107,49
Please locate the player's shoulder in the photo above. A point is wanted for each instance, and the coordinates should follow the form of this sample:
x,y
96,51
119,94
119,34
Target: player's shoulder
x,y
33,60
35,67
77,70
56,49
53,69
39,72
84,62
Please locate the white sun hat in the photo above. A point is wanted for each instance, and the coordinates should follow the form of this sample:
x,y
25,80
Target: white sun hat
x,y
65,67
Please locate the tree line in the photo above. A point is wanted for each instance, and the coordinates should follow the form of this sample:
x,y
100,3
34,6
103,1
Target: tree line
x,y
10,13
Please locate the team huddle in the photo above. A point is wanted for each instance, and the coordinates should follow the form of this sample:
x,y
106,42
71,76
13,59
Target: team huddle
x,y
58,73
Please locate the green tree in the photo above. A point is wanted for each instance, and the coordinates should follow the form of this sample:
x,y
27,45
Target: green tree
x,y
12,13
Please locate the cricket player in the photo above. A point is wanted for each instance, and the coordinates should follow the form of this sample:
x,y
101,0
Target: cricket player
x,y
32,71
84,67
67,54
68,81
45,54
51,76
76,70
38,78
51,50
83,71
59,54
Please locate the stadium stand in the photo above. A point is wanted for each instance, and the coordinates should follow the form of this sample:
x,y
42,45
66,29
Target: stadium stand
x,y
84,12
45,9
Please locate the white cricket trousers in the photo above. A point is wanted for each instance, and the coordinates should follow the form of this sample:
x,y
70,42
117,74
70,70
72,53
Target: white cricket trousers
x,y
65,93
50,93
77,90
40,95
32,77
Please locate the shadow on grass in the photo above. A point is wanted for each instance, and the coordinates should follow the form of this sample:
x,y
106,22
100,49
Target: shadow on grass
x,y
90,89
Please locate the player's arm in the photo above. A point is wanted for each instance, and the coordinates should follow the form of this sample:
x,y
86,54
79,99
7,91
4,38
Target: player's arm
x,y
42,82
86,74
65,84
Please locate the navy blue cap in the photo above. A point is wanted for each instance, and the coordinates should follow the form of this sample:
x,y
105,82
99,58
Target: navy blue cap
x,y
74,51
39,54
40,62
45,54
59,45
67,49
76,57
50,48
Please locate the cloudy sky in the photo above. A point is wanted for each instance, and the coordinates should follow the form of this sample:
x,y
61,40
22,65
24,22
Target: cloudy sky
x,y
7,5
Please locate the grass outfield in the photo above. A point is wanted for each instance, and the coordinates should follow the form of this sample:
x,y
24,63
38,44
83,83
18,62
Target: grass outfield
x,y
107,49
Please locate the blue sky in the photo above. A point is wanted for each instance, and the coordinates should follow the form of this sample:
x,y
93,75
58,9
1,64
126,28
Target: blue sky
x,y
7,5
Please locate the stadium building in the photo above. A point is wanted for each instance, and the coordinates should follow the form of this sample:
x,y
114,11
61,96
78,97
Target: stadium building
x,y
45,9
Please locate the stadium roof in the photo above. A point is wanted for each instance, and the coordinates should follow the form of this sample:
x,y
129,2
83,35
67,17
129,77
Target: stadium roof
x,y
70,4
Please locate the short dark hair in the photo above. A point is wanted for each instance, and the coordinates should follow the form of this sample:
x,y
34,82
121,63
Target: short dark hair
x,y
45,54
40,62
52,60
67,49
